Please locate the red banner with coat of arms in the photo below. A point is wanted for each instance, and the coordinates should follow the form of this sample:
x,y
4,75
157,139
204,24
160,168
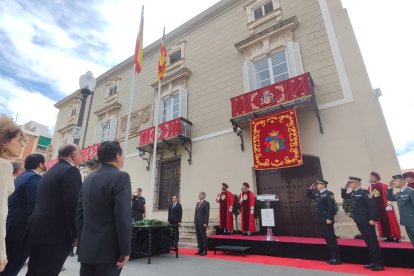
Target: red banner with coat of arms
x,y
275,141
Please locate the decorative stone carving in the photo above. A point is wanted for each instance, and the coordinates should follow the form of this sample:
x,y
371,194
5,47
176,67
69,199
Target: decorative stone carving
x,y
140,119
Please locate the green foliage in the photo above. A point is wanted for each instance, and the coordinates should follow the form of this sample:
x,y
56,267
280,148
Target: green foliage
x,y
148,222
347,205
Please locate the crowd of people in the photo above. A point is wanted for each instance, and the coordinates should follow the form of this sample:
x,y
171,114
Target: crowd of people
x,y
45,214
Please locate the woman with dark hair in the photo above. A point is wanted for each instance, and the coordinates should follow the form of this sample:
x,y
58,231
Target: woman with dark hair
x,y
11,143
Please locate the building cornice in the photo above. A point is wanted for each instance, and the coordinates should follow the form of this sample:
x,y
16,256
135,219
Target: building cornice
x,y
113,106
286,25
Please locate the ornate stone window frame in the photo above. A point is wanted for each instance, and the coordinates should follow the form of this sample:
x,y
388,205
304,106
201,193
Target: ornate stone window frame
x,y
179,63
109,85
252,5
268,41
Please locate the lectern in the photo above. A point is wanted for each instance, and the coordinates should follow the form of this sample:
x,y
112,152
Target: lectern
x,y
268,217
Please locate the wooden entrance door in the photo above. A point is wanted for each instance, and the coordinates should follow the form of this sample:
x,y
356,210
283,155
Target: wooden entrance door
x,y
169,182
293,212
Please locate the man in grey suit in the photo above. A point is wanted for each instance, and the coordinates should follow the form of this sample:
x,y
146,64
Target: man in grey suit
x,y
103,216
201,217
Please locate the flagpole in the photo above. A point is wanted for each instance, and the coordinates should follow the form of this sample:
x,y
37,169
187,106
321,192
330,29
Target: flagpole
x,y
161,71
137,60
131,99
154,152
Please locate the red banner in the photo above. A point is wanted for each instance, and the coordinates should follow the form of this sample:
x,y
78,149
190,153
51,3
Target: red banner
x,y
165,130
290,90
87,154
275,141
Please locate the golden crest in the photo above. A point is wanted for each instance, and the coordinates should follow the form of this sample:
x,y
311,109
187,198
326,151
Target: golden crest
x,y
375,193
245,197
223,197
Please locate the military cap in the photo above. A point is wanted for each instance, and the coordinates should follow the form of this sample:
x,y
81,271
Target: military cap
x,y
353,179
321,181
398,176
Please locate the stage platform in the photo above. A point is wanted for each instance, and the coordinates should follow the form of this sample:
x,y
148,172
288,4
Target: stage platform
x,y
352,250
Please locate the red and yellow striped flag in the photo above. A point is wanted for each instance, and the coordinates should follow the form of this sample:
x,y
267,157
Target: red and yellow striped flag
x,y
162,63
138,45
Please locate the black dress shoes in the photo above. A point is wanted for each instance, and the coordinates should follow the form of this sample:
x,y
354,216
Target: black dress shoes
x,y
377,268
203,253
198,253
388,239
334,261
244,234
369,266
397,241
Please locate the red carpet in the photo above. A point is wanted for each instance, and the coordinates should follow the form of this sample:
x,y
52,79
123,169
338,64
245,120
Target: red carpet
x,y
344,242
297,263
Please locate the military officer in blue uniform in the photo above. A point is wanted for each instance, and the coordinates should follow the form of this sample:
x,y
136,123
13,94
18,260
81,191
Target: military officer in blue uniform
x,y
365,216
324,210
405,202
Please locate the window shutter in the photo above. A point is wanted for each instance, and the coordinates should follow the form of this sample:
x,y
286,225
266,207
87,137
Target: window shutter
x,y
248,76
183,103
112,129
293,59
98,134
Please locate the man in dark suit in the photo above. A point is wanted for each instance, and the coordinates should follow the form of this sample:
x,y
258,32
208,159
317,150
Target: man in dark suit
x,y
103,216
365,217
21,204
201,217
324,209
175,213
52,232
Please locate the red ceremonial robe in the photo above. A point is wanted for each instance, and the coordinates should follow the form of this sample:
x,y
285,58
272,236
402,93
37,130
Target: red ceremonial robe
x,y
247,218
388,224
226,200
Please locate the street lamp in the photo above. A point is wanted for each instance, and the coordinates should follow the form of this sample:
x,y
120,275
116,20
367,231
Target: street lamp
x,y
87,84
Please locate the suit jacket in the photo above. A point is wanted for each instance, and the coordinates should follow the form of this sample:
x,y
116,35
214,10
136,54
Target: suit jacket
x,y
324,207
175,213
21,204
103,216
364,208
53,218
202,213
405,201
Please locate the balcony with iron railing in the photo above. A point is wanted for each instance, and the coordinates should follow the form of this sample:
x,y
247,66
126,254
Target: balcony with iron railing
x,y
295,92
170,134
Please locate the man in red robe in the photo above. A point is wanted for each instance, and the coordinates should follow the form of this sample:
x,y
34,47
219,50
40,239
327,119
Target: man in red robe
x,y
247,201
226,202
409,176
388,226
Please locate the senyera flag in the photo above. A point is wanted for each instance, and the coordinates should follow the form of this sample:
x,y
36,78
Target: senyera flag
x,y
162,63
138,45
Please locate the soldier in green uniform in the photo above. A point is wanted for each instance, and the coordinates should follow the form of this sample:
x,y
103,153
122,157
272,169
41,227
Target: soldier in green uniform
x,y
324,209
365,217
405,201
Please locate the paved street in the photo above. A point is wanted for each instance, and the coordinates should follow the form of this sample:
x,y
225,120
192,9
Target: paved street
x,y
188,265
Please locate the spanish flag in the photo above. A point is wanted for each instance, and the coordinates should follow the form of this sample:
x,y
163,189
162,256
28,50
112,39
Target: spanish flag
x,y
162,63
138,45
